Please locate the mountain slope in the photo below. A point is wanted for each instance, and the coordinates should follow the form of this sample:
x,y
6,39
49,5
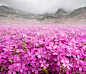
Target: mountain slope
x,y
78,12
61,11
5,11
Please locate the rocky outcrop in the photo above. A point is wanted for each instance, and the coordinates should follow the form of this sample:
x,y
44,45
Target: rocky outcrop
x,y
80,12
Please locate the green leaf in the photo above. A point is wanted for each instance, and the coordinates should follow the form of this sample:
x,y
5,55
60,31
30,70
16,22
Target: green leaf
x,y
6,33
83,43
18,55
11,60
5,68
31,43
0,39
45,70
2,68
23,43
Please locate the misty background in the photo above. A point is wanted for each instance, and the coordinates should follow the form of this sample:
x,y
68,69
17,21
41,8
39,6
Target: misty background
x,y
43,6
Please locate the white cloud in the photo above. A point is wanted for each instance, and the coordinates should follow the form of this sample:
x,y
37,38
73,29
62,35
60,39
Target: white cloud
x,y
42,6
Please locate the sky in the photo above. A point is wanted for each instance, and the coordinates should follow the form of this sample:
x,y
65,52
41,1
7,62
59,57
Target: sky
x,y
43,6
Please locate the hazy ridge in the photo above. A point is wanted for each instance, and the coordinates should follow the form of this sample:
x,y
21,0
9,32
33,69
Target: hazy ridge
x,y
61,16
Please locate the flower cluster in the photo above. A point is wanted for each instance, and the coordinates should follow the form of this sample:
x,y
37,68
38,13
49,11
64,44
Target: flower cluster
x,y
39,49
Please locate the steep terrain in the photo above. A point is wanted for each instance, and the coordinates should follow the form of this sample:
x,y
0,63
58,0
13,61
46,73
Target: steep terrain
x,y
61,16
78,13
6,11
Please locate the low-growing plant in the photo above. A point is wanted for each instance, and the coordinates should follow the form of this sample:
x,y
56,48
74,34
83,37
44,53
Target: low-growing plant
x,y
42,49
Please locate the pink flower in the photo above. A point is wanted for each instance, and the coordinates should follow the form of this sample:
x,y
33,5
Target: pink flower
x,y
44,64
36,70
3,55
66,64
13,69
24,35
40,53
22,67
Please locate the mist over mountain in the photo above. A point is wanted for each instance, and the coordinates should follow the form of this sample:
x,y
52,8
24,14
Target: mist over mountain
x,y
6,11
80,12
61,11
43,6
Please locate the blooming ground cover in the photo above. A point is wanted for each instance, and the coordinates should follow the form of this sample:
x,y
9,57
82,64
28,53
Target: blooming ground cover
x,y
42,49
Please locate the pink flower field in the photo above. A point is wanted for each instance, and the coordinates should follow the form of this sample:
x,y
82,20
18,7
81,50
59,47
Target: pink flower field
x,y
43,49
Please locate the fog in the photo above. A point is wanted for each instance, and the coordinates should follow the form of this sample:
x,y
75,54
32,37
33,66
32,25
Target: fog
x,y
42,6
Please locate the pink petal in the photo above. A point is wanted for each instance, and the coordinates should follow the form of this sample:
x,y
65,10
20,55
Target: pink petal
x,y
10,67
21,70
14,72
42,65
36,72
64,65
80,69
29,72
10,71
